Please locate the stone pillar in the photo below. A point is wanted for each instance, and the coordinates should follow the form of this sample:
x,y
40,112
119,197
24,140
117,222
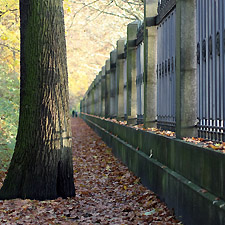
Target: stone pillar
x,y
107,89
103,91
93,98
96,95
186,69
150,63
99,94
88,101
120,82
113,84
84,104
81,105
131,73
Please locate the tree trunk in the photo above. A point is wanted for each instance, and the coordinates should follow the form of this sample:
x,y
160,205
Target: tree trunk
x,y
41,167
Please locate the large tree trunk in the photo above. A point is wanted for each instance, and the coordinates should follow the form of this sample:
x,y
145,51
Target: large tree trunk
x,y
41,167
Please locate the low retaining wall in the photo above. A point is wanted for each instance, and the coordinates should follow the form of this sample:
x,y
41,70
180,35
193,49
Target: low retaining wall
x,y
189,178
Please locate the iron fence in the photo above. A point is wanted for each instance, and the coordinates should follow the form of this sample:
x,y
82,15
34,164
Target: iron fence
x,y
210,49
96,96
125,84
166,76
211,68
113,84
140,75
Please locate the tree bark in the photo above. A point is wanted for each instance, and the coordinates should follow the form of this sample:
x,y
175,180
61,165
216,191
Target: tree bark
x,y
41,167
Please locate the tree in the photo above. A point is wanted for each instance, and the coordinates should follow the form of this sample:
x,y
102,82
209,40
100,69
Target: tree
x,y
41,167
88,15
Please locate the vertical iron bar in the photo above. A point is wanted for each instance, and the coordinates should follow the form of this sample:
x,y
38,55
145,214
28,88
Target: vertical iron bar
x,y
158,86
223,65
125,88
210,71
221,74
207,69
198,55
214,67
142,83
173,61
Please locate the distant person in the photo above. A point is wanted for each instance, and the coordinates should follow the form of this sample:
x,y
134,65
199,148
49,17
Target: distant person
x,y
76,113
73,113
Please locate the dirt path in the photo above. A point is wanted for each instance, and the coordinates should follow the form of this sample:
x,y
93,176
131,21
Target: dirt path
x,y
106,192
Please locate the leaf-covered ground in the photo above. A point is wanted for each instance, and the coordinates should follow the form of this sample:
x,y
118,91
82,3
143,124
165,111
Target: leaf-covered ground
x,y
106,192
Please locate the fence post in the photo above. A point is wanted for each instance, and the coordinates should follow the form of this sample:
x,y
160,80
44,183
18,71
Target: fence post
x,y
150,62
99,94
95,95
103,91
93,98
120,81
107,88
131,73
113,78
88,101
84,104
81,103
186,67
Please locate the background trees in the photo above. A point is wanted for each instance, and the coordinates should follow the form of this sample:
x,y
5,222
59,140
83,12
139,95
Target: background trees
x,y
9,78
92,28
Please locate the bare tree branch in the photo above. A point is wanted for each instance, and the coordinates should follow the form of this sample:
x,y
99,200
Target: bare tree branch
x,y
9,10
9,47
130,13
80,11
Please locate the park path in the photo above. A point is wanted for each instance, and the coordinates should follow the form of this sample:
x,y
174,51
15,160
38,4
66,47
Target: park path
x,y
110,193
106,192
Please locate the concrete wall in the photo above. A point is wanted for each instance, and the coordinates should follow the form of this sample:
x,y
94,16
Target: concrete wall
x,y
189,178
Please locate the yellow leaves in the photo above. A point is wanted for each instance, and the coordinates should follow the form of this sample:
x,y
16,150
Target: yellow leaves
x,y
4,38
107,167
9,34
66,6
78,84
206,143
137,181
216,147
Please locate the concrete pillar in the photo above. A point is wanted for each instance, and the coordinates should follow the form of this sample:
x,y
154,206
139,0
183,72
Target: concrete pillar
x,y
88,101
81,105
107,89
186,69
120,82
99,94
113,84
131,73
150,63
93,98
103,91
96,95
84,104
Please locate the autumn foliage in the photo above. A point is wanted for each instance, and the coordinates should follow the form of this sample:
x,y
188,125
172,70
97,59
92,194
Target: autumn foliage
x,y
106,192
